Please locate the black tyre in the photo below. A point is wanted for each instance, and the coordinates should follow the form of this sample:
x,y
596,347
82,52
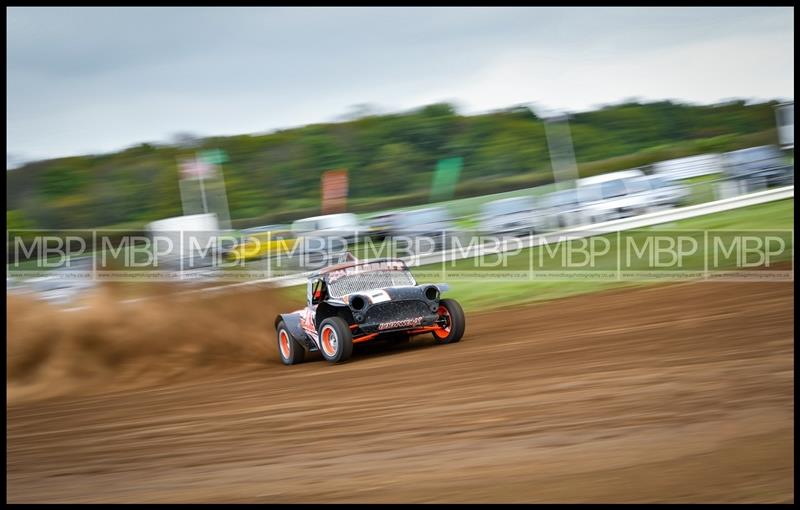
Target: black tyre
x,y
290,352
453,322
335,339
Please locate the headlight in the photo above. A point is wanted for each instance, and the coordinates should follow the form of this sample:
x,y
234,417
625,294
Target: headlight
x,y
358,303
432,293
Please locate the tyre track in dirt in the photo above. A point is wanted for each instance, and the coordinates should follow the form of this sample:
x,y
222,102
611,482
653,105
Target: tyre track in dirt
x,y
665,393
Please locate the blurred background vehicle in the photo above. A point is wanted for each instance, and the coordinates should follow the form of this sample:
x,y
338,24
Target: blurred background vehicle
x,y
429,227
688,167
611,196
344,225
267,228
515,215
659,191
785,122
258,242
562,209
323,239
380,225
758,167
56,289
61,285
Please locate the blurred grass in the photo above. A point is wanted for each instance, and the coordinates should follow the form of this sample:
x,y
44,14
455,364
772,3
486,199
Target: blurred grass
x,y
484,295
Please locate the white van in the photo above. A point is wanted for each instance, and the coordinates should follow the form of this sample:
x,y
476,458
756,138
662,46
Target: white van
x,y
611,196
561,209
688,167
515,215
660,191
344,225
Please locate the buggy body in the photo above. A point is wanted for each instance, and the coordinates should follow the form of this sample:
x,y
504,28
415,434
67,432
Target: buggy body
x,y
360,301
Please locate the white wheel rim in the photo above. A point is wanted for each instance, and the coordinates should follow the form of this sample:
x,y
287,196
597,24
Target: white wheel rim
x,y
329,341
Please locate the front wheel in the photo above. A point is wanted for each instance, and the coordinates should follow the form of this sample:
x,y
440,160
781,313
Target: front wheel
x,y
451,322
335,340
290,352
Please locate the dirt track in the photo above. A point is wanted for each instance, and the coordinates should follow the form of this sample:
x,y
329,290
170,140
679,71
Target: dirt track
x,y
681,393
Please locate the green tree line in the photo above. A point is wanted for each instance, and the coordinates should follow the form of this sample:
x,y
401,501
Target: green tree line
x,y
390,158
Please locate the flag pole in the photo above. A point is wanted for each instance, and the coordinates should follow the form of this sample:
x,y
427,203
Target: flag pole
x,y
562,154
202,190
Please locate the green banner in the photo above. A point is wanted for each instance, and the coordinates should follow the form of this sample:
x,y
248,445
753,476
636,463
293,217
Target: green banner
x,y
214,156
445,179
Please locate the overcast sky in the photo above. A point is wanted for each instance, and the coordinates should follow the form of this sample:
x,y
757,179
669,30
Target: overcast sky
x,y
91,80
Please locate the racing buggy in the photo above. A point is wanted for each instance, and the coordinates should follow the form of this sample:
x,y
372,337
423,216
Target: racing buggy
x,y
360,301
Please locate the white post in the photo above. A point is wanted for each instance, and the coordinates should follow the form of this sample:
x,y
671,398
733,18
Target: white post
x,y
562,155
222,208
203,194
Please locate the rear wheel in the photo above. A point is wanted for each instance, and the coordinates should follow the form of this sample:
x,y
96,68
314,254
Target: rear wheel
x,y
290,352
335,339
451,322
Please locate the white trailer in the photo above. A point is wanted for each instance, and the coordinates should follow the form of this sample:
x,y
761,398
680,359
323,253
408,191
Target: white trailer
x,y
784,114
686,168
185,241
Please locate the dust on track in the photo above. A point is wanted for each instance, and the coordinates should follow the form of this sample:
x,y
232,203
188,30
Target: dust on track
x,y
660,394
111,342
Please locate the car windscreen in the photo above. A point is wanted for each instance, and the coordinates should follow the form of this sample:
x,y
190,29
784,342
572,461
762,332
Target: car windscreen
x,y
563,198
590,193
658,181
613,189
641,185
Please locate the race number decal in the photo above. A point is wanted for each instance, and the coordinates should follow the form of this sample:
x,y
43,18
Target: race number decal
x,y
379,296
407,323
